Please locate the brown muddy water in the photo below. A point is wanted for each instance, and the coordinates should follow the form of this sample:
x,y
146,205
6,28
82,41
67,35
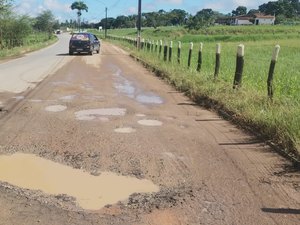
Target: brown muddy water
x,y
91,192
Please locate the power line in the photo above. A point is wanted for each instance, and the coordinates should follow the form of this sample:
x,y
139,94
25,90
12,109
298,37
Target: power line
x,y
115,4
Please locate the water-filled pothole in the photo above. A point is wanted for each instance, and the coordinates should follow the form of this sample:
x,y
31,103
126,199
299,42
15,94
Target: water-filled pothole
x,y
91,192
56,108
149,99
92,114
131,90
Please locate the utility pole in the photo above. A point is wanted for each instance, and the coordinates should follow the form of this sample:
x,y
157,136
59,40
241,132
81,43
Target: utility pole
x,y
105,22
139,24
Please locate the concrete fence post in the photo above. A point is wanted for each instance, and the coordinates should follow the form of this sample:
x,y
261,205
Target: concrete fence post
x,y
239,67
190,54
271,71
170,51
160,47
218,60
200,58
156,46
179,52
143,43
165,51
153,45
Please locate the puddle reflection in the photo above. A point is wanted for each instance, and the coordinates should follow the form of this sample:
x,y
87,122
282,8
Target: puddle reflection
x,y
126,87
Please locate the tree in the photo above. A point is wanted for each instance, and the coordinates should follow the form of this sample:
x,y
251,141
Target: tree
x,y
202,19
110,22
252,12
286,8
240,10
151,19
177,17
5,8
45,22
80,6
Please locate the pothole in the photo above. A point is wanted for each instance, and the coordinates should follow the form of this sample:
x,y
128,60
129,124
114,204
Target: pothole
x,y
125,130
91,192
56,108
150,122
92,114
131,90
149,99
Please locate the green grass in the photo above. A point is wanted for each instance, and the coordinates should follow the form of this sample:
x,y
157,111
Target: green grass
x,y
31,43
277,120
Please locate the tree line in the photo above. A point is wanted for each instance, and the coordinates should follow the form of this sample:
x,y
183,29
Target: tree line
x,y
15,29
284,10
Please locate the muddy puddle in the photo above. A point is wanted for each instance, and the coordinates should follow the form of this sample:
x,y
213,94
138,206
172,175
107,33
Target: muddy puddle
x,y
128,88
91,192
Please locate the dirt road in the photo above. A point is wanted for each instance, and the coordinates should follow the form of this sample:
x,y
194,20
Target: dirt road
x,y
106,113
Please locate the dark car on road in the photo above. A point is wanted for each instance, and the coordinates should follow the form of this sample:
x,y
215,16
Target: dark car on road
x,y
84,42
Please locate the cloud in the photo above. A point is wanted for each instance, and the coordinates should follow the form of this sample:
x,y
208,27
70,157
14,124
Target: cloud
x,y
26,7
55,5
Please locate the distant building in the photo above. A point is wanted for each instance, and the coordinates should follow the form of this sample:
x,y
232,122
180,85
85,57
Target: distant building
x,y
255,19
261,19
242,20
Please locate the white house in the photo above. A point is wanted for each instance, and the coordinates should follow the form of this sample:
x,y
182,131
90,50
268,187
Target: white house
x,y
255,19
261,19
242,20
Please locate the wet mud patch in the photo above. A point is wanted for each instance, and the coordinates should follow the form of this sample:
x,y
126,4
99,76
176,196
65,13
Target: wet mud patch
x,y
59,201
164,199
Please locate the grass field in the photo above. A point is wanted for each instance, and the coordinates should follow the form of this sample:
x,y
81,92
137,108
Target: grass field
x,y
33,42
277,120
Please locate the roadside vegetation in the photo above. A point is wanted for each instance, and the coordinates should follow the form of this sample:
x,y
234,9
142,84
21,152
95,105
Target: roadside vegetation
x,y
20,34
276,120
